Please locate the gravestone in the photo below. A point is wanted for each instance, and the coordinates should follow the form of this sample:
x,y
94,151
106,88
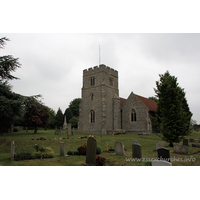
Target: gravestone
x,y
161,163
119,148
12,150
62,148
191,140
91,151
135,142
159,145
195,145
182,149
69,129
136,151
65,124
164,154
185,142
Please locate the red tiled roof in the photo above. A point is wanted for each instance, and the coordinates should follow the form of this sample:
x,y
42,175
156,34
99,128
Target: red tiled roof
x,y
150,104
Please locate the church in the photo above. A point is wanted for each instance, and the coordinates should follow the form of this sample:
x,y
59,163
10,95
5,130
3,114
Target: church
x,y
102,111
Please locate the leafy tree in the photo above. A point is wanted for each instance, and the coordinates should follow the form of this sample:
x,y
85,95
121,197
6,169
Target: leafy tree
x,y
52,118
10,106
68,114
173,114
74,106
36,114
59,118
7,63
74,121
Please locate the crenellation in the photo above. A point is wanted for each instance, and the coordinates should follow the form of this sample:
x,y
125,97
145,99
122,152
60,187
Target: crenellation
x,y
100,68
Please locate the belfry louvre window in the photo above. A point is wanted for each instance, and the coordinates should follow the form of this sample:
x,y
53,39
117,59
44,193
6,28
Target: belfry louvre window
x,y
92,81
133,115
92,116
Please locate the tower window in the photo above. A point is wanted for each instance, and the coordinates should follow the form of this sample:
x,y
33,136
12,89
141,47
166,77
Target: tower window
x,y
133,115
111,82
92,81
92,116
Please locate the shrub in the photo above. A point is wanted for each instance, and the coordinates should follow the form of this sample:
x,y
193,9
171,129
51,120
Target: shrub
x,y
98,151
82,150
69,153
44,153
15,130
23,155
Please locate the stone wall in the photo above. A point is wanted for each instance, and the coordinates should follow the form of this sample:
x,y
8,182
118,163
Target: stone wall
x,y
142,116
102,102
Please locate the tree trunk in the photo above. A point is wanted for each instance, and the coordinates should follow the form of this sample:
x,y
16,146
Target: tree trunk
x,y
171,144
35,131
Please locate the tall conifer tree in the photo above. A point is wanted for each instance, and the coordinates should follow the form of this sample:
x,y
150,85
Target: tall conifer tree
x,y
173,113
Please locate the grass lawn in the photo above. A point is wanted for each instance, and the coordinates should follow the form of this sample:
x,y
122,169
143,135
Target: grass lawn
x,y
23,140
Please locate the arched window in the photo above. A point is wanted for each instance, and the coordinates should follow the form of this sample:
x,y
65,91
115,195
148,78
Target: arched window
x,y
92,81
92,116
133,115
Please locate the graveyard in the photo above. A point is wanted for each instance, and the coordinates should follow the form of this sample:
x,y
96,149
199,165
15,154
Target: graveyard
x,y
27,141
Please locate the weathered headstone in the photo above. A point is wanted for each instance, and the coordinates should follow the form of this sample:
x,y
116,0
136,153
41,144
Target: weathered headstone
x,y
91,151
185,142
164,154
119,148
69,129
159,145
12,150
135,142
182,149
62,148
161,163
65,124
195,145
136,151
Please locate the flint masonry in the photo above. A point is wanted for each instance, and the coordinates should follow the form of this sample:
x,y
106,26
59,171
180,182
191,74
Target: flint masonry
x,y
102,111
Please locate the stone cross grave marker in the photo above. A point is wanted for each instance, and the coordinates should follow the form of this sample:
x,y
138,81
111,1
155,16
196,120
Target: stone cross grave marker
x,y
107,147
69,131
12,150
186,142
119,148
136,151
91,151
159,145
164,154
182,149
161,163
135,142
62,148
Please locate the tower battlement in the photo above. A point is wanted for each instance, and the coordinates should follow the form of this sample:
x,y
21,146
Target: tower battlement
x,y
101,68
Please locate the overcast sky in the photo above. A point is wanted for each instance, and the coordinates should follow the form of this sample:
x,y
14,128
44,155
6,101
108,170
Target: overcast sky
x,y
53,64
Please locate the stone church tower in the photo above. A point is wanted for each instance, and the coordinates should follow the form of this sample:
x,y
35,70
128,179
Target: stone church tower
x,y
99,110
